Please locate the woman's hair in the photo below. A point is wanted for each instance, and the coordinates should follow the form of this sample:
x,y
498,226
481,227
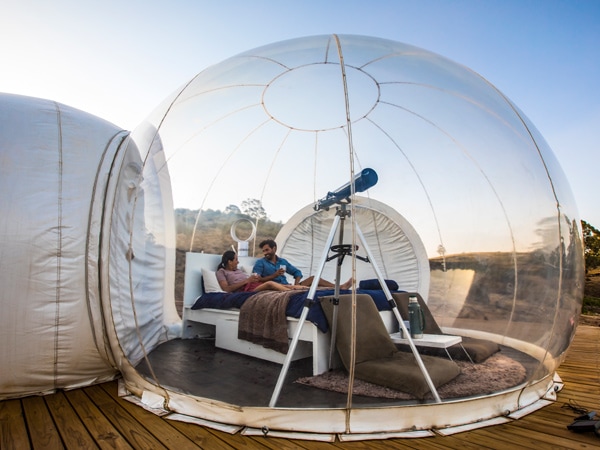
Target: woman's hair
x,y
229,255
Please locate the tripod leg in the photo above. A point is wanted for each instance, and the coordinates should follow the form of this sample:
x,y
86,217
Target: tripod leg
x,y
333,329
394,306
336,295
307,304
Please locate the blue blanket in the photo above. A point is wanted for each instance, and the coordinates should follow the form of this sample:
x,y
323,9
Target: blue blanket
x,y
224,300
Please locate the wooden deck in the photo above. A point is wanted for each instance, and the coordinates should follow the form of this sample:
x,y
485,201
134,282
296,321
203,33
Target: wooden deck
x,y
95,417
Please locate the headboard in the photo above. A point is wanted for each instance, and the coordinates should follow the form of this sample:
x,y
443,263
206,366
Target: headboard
x,y
194,263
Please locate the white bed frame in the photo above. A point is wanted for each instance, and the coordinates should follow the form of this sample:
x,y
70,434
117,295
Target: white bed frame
x,y
223,323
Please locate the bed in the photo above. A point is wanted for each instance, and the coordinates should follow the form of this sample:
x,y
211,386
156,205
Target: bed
x,y
208,314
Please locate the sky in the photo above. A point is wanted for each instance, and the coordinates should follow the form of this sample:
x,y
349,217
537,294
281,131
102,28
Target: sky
x,y
118,59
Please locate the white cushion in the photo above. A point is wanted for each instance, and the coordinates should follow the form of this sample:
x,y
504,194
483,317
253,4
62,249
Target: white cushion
x,y
210,281
246,269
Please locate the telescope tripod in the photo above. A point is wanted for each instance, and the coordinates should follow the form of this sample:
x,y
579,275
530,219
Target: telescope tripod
x,y
340,251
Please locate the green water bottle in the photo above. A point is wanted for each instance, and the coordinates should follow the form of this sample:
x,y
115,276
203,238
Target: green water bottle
x,y
415,318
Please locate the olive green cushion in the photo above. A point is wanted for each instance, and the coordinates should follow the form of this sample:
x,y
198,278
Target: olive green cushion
x,y
378,360
478,349
374,339
401,372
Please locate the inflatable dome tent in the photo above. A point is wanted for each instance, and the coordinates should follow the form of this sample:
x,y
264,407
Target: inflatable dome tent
x,y
286,124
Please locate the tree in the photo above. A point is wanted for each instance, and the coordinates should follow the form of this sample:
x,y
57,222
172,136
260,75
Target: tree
x,y
253,208
591,239
232,209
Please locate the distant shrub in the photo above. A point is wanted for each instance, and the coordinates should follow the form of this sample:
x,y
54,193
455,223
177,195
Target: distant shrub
x,y
591,305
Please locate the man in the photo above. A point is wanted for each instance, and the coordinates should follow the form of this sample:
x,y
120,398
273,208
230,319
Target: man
x,y
274,268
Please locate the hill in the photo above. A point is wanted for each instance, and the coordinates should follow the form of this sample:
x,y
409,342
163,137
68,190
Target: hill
x,y
211,232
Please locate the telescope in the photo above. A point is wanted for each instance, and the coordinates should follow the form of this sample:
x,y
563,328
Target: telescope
x,y
366,179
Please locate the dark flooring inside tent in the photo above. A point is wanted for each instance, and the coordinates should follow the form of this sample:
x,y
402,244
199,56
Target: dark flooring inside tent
x,y
197,367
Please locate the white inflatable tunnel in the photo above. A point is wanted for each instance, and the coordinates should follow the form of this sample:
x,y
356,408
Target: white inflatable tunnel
x,y
55,167
67,253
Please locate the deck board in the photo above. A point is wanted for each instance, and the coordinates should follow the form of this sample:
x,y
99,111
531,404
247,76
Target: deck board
x,y
161,429
72,430
39,418
205,438
95,417
95,421
13,430
137,433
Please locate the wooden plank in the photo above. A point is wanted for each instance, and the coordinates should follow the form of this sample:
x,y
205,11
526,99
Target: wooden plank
x,y
38,418
207,438
557,431
13,431
99,427
556,416
275,443
318,445
493,439
482,438
71,428
429,443
578,397
542,434
134,432
162,429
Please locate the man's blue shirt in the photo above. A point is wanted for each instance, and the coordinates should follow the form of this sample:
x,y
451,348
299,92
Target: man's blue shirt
x,y
265,268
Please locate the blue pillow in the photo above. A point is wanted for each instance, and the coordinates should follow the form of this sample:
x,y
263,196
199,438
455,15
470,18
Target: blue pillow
x,y
374,285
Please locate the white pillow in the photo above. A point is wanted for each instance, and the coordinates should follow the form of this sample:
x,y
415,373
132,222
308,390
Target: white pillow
x,y
210,281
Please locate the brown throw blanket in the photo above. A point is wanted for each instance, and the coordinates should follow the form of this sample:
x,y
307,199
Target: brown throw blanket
x,y
263,321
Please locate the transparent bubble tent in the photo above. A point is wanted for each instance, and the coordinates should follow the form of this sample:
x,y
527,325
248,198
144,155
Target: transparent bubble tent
x,y
470,210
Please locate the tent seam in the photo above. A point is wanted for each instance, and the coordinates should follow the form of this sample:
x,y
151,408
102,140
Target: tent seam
x,y
59,245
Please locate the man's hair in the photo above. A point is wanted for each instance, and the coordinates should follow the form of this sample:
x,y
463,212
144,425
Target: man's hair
x,y
270,242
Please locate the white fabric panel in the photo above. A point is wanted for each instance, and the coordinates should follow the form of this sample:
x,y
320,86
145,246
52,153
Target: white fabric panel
x,y
141,256
50,155
398,251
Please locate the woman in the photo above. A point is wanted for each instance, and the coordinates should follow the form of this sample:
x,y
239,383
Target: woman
x,y
232,279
